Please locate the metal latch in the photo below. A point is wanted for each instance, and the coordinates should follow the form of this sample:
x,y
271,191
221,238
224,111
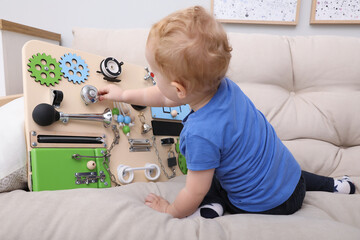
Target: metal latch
x,y
89,177
139,145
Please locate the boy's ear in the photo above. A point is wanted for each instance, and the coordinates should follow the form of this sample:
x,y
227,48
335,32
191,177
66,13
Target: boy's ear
x,y
180,89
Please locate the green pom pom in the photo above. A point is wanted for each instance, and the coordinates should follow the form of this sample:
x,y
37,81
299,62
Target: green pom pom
x,y
126,129
115,111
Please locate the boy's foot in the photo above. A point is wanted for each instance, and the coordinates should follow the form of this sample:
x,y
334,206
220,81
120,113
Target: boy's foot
x,y
344,185
211,210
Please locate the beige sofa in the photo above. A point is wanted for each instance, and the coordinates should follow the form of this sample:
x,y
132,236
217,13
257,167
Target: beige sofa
x,y
308,88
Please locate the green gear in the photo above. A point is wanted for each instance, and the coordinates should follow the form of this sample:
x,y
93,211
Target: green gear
x,y
45,69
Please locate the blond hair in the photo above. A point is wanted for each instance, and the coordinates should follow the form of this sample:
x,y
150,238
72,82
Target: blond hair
x,y
192,48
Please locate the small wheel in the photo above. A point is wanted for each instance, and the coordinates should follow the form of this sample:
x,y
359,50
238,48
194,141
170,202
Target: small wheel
x,y
110,67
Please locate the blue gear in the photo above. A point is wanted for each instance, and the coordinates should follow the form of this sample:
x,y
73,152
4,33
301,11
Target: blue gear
x,y
74,68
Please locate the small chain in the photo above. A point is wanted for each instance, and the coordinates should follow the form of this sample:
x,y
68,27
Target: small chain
x,y
106,166
116,137
160,162
142,117
107,154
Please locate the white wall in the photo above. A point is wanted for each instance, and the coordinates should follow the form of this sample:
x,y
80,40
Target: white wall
x,y
61,16
11,44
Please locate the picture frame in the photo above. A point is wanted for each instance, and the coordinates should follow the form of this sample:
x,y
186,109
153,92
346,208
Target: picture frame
x,y
335,12
276,12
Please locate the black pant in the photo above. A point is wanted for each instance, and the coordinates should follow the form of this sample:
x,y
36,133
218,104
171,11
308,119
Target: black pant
x,y
308,182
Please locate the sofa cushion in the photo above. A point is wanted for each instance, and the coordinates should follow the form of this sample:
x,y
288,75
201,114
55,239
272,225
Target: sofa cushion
x,y
13,172
120,211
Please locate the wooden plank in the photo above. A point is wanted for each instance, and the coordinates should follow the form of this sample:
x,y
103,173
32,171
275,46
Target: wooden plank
x,y
6,99
20,28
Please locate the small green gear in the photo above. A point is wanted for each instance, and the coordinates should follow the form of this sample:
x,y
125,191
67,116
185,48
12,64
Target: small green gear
x,y
45,69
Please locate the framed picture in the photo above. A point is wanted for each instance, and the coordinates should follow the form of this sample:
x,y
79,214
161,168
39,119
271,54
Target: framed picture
x,y
335,12
284,12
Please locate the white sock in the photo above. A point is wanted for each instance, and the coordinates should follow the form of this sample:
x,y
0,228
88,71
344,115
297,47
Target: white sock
x,y
195,214
344,185
211,210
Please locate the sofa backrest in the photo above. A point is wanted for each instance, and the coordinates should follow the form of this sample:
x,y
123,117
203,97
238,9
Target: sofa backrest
x,y
307,87
127,45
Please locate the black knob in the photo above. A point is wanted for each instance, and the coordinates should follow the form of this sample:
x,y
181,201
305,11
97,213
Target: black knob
x,y
44,114
138,107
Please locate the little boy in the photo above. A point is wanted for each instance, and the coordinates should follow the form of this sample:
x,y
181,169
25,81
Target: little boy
x,y
236,161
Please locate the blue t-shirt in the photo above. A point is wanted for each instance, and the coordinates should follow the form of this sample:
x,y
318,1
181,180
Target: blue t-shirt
x,y
251,163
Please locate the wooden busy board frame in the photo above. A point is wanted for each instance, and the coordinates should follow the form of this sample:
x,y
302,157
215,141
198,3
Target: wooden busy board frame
x,y
132,76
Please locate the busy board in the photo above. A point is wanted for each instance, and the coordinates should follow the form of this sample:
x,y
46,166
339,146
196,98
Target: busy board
x,y
74,140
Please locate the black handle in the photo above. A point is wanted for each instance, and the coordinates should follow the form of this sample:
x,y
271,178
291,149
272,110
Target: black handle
x,y
44,114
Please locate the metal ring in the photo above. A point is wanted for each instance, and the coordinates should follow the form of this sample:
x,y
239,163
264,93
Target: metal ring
x,y
124,170
149,168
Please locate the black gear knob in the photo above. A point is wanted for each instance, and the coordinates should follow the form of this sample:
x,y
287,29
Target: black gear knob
x,y
45,114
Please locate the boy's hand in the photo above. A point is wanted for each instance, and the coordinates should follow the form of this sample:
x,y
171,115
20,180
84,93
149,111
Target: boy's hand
x,y
110,92
157,203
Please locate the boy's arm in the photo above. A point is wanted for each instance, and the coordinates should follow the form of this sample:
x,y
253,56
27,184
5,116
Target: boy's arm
x,y
150,96
189,198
